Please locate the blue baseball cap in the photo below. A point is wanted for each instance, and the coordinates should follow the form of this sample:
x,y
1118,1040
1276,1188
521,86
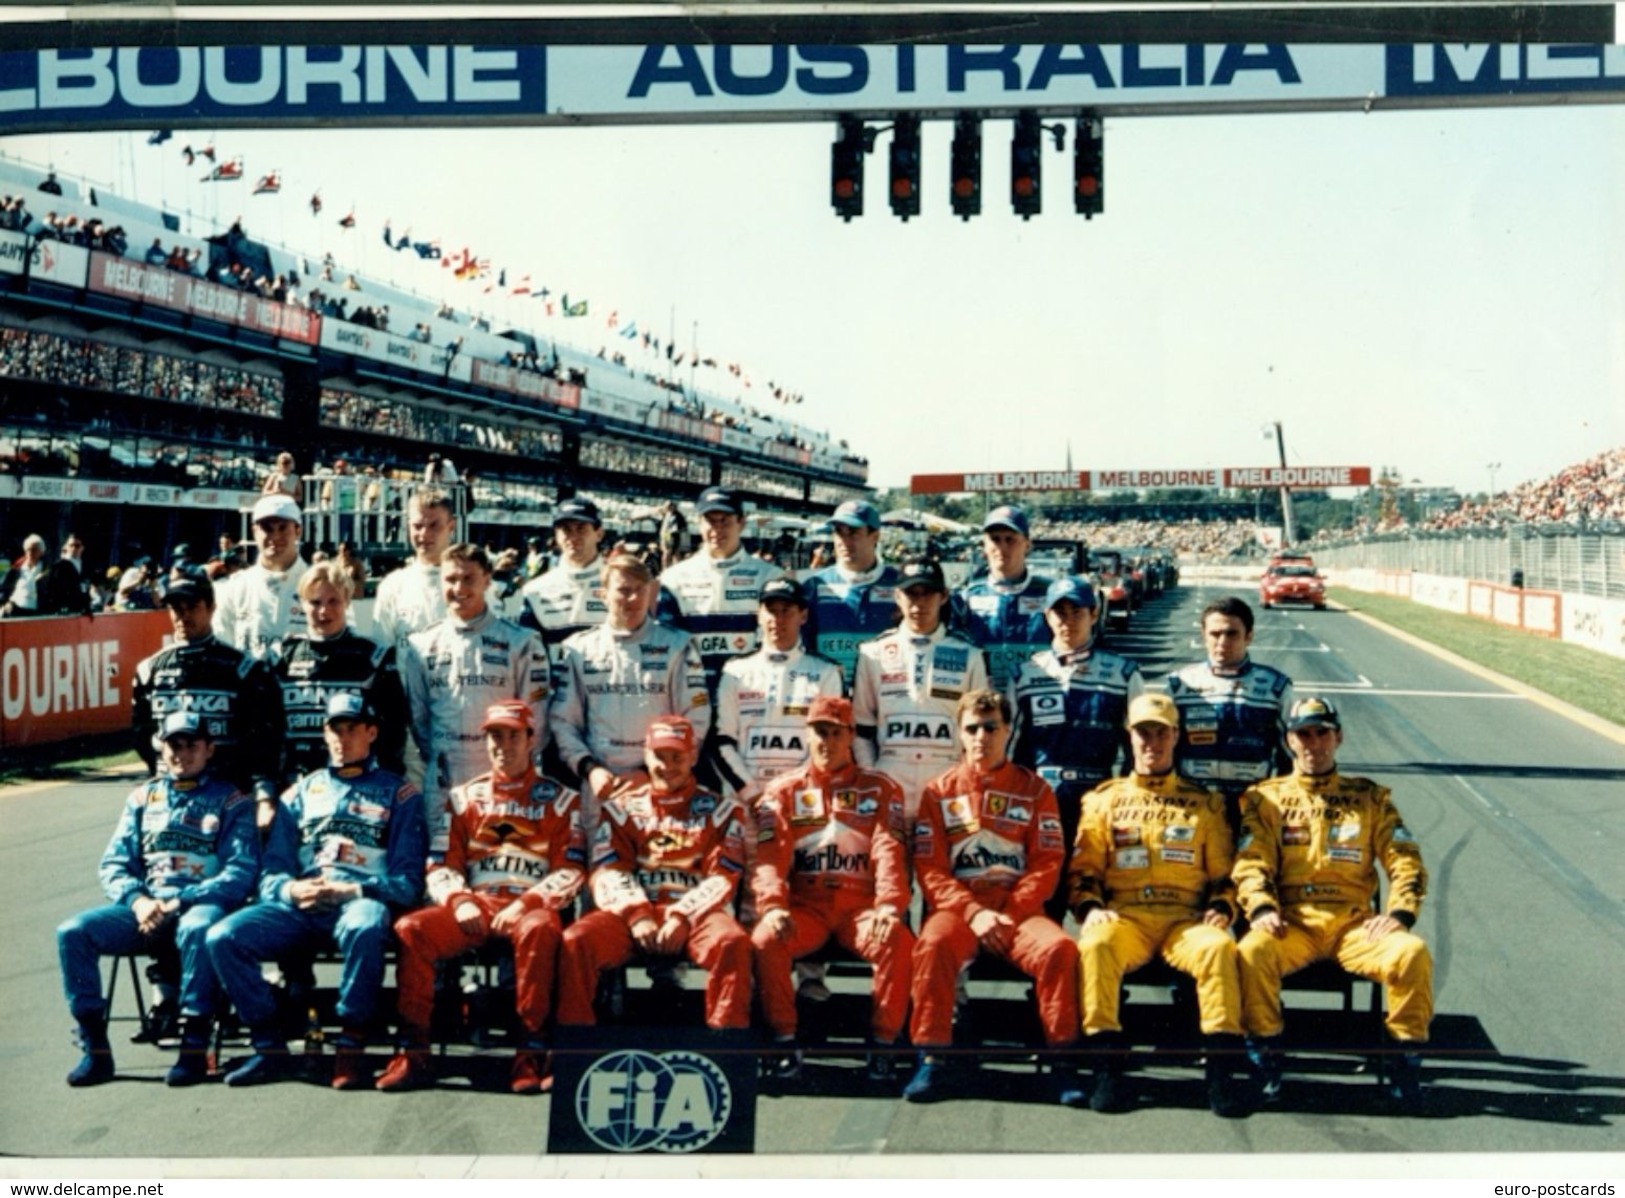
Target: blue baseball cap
x,y
926,573
855,513
184,723
578,509
1007,515
719,499
784,588
1073,590
189,587
350,706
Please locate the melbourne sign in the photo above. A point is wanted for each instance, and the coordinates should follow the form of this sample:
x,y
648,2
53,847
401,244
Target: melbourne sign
x,y
1210,477
215,86
186,293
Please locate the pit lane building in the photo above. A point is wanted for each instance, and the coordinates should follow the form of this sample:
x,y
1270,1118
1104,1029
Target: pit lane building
x,y
144,405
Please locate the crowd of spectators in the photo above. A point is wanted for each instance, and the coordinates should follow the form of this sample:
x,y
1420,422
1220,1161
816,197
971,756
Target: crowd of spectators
x,y
92,233
762,482
623,458
365,413
14,214
392,418
686,403
1207,539
516,439
1591,492
189,453
364,315
232,259
125,370
526,358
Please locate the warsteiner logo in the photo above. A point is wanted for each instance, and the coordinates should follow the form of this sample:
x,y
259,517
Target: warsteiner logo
x,y
640,1102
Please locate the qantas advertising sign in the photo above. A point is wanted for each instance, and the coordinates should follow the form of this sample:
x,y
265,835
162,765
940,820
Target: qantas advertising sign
x,y
1143,480
216,86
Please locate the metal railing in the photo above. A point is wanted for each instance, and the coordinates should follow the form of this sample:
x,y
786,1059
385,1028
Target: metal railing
x,y
1541,557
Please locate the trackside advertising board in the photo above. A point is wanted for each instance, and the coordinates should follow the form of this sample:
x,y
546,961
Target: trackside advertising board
x,y
111,275
67,676
269,85
1143,480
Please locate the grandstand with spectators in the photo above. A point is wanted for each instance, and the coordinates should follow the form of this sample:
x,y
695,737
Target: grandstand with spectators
x,y
1589,494
152,372
1583,503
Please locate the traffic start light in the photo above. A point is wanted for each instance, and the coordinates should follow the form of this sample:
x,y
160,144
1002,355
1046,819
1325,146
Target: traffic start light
x,y
854,140
965,181
846,168
1089,173
1026,161
905,166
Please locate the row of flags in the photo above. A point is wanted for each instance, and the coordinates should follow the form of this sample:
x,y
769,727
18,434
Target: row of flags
x,y
465,265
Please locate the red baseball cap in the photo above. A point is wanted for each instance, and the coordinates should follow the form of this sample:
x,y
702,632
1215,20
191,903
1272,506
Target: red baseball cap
x,y
669,732
831,709
508,714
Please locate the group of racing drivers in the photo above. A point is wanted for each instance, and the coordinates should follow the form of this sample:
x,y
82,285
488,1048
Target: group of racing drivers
x,y
726,765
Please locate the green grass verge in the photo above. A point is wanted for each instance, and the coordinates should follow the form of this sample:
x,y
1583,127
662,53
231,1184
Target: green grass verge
x,y
1592,681
69,759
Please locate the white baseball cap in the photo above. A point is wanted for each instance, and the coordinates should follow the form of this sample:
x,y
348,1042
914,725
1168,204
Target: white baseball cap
x,y
276,507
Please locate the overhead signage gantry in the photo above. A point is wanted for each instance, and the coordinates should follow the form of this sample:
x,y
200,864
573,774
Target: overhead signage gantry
x,y
109,86
137,83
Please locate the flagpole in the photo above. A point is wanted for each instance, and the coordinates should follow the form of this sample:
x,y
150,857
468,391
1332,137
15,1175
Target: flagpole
x,y
693,356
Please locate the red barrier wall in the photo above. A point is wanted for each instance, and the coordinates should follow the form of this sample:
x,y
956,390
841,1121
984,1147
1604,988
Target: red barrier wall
x,y
67,676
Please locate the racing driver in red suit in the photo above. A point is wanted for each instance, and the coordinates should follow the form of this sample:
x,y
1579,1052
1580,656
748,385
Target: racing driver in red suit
x,y
515,858
832,863
666,862
988,851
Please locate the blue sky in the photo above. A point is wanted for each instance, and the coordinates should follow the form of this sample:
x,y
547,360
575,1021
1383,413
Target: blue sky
x,y
1431,290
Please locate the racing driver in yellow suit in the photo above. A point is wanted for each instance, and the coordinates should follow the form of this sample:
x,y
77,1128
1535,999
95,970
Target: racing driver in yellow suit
x,y
1150,874
1306,876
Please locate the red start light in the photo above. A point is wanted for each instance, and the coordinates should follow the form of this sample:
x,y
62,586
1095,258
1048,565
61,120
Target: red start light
x,y
964,186
844,189
1088,185
1023,186
902,188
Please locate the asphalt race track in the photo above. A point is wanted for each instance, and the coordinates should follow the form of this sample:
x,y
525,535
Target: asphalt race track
x,y
1517,809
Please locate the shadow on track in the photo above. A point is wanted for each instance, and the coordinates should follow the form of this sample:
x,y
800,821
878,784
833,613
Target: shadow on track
x,y
1478,769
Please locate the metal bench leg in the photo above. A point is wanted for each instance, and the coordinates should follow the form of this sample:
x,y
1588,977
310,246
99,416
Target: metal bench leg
x,y
135,985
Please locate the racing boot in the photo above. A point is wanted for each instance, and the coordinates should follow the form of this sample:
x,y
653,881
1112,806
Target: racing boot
x,y
1070,1089
1107,1092
782,1062
1223,1095
96,1066
1405,1081
269,1063
666,978
191,1066
410,1068
1266,1066
935,1078
350,1070
532,1067
880,1063
810,984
